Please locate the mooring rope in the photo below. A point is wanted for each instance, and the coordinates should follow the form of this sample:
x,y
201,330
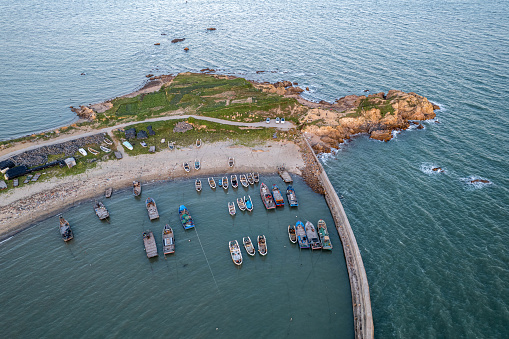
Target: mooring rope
x,y
210,268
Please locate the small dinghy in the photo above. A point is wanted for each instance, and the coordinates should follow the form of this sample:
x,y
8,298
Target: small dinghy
x,y
248,245
231,161
101,210
224,183
235,252
65,230
150,244
235,182
151,209
292,197
186,167
256,177
291,234
241,203
302,238
143,144
136,188
168,240
108,141
212,182
324,235
93,151
243,180
197,164
82,151
262,245
185,217
231,208
108,192
197,185
105,149
267,198
198,143
128,145
249,203
250,178
313,236
171,145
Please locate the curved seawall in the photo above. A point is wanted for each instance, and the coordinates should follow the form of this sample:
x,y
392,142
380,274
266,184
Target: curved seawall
x,y
361,301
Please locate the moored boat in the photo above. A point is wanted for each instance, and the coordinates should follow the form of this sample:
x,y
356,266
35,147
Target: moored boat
x,y
136,188
262,245
256,177
168,240
324,235
243,180
231,208
128,145
234,181
186,166
185,218
93,151
212,182
248,245
197,165
108,192
151,209
197,185
241,204
292,197
291,234
278,197
231,161
65,229
224,183
150,244
302,238
250,178
235,252
249,203
82,152
267,198
101,210
312,236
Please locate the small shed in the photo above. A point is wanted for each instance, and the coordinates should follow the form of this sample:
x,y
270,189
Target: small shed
x,y
130,133
70,162
141,135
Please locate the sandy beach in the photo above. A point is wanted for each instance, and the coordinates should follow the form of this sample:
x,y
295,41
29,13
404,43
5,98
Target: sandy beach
x,y
25,205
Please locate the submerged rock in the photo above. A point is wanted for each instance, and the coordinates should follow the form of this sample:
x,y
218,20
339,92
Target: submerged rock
x,y
483,181
177,40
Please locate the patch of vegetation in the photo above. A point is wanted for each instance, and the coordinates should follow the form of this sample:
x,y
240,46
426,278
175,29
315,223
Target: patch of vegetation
x,y
369,103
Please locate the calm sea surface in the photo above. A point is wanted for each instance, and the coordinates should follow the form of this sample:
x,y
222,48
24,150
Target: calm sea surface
x,y
435,247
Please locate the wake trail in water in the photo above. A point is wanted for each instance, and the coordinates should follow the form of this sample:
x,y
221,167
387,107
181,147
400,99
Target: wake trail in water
x,y
210,268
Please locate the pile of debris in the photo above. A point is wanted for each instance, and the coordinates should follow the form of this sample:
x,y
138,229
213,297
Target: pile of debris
x,y
182,127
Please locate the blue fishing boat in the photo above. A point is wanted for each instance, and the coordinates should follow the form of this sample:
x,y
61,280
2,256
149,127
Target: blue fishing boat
x,y
302,238
185,218
291,196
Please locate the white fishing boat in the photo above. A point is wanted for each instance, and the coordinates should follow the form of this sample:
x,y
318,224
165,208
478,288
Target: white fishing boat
x,y
248,245
186,167
231,208
256,177
241,203
171,145
168,240
234,181
212,182
198,143
82,151
197,185
108,141
250,178
235,252
224,183
136,188
93,151
197,164
243,180
262,245
101,210
151,209
231,161
105,149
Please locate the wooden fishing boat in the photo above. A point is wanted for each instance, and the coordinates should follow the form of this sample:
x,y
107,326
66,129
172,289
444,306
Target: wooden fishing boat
x,y
212,182
136,188
171,145
168,240
243,180
224,183
150,244
278,197
151,209
249,203
291,234
241,203
82,151
231,208
108,141
324,235
101,211
93,151
262,245
128,145
235,252
248,245
250,178
198,143
302,238
186,167
312,236
267,198
197,185
185,218
292,197
256,177
231,161
65,230
235,182
105,149
197,165
108,192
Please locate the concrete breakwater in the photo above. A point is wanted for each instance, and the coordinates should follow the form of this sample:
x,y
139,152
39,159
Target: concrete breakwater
x,y
361,301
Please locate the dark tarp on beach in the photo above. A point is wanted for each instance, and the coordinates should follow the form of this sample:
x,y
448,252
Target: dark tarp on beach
x,y
16,172
141,135
130,133
150,130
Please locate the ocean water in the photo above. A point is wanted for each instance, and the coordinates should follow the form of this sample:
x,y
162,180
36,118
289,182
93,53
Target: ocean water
x,y
434,246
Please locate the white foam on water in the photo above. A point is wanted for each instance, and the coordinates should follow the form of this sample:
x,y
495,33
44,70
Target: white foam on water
x,y
475,185
427,168
5,240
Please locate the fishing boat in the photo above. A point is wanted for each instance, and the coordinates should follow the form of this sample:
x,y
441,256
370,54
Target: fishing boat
x,y
292,197
249,203
168,240
267,198
231,161
278,198
108,192
150,244
212,182
291,234
65,230
108,141
224,183
241,203
235,252
82,151
302,238
136,188
243,180
256,177
128,145
198,143
143,144
250,178
105,149
324,235
262,245
93,151
313,236
235,182
197,165
101,210
151,209
231,208
186,167
171,145
185,218
197,185
248,245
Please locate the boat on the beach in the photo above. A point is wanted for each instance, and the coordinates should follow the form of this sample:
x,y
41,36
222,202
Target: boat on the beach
x,y
231,208
248,245
82,151
250,178
128,145
108,141
151,209
224,183
241,203
168,240
262,245
291,196
65,230
313,236
212,182
136,188
256,177
108,192
197,185
243,180
302,238
249,203
150,244
143,144
292,234
231,161
235,252
197,165
278,197
267,198
105,149
235,182
100,210
324,235
198,143
186,166
171,145
93,151
185,218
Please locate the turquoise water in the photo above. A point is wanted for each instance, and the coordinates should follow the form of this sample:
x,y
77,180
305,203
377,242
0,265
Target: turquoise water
x,y
435,248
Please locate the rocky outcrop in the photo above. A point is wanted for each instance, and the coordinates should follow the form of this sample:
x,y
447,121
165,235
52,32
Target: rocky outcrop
x,y
281,88
84,112
174,41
